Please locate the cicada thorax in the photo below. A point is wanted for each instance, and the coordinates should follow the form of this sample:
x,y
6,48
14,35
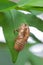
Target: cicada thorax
x,y
22,37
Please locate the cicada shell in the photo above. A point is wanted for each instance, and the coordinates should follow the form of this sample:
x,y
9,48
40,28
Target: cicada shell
x,y
23,34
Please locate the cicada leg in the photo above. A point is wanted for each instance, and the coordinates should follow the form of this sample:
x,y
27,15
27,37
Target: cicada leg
x,y
16,30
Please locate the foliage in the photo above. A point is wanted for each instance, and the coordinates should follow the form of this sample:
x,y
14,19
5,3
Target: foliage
x,y
10,19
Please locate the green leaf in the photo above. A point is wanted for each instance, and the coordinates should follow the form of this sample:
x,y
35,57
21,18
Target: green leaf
x,y
33,10
7,5
5,56
38,3
7,23
3,0
36,7
11,20
36,12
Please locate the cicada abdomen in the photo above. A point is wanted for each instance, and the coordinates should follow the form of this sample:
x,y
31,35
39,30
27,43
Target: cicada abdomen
x,y
23,34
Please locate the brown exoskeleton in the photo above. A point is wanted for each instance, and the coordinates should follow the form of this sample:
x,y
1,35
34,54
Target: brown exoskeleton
x,y
23,34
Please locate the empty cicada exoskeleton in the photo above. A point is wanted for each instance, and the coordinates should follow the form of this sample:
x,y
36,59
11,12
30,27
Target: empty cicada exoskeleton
x,y
23,34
